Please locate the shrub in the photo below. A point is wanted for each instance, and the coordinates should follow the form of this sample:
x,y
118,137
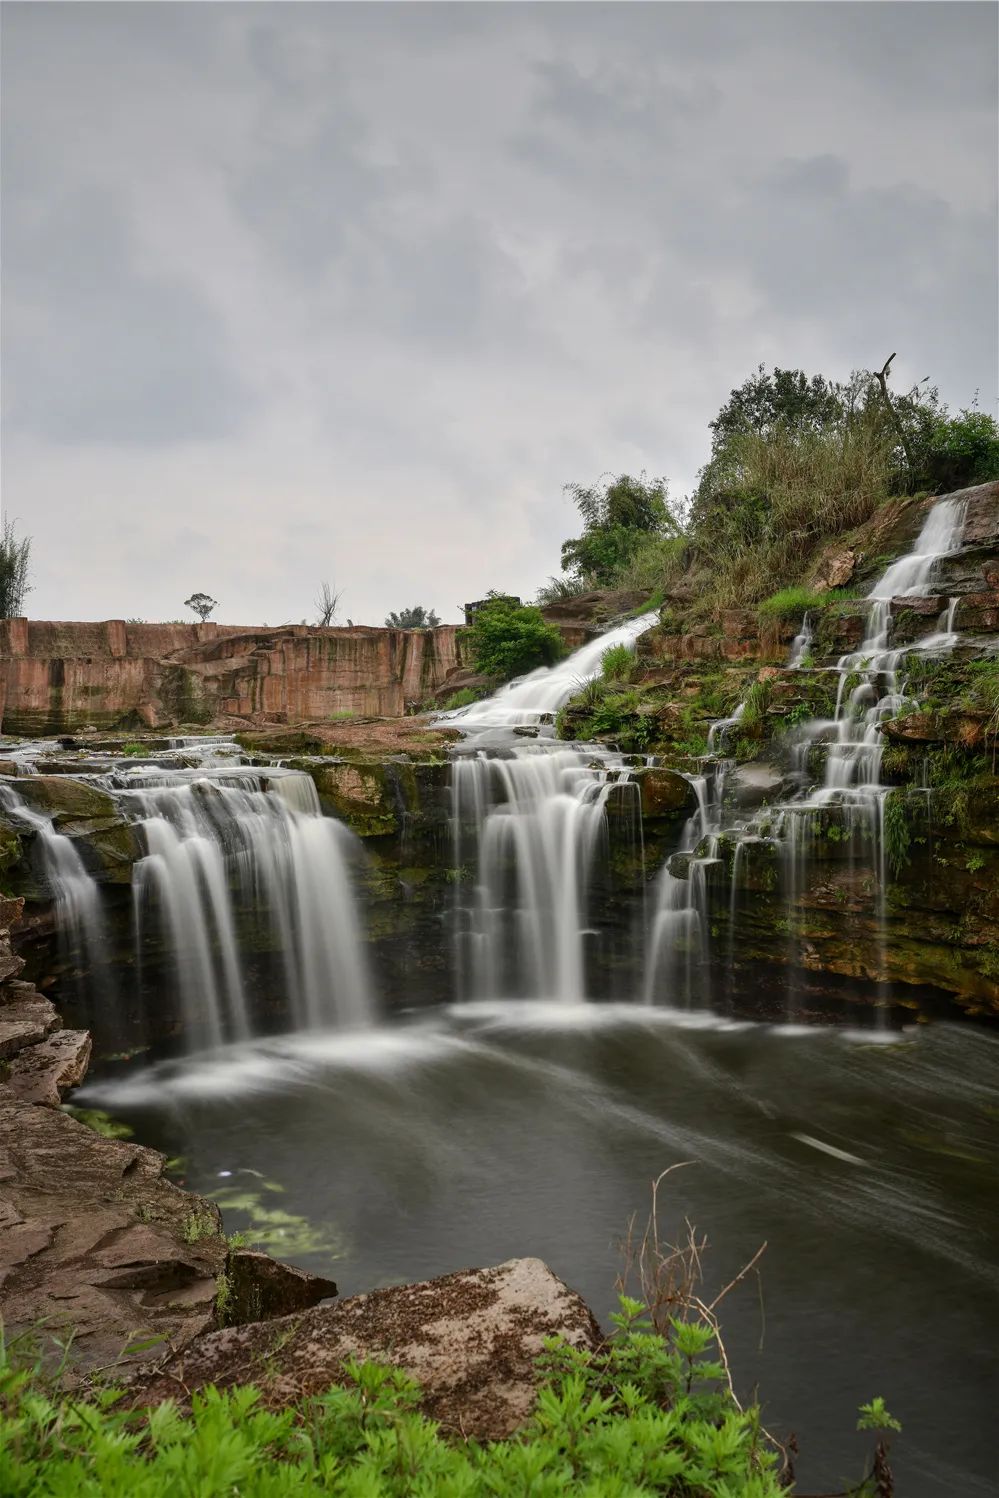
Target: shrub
x,y
618,519
559,589
649,1414
961,450
507,638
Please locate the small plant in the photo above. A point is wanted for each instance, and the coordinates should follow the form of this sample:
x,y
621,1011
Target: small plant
x,y
755,705
197,1225
618,663
897,834
133,750
462,698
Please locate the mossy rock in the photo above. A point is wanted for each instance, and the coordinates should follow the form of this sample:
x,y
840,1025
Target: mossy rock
x,y
67,800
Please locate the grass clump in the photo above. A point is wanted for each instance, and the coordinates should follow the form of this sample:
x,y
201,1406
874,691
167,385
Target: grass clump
x,y
618,663
791,603
462,698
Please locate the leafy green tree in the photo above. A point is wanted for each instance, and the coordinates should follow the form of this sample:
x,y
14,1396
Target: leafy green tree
x,y
416,617
14,559
508,638
618,518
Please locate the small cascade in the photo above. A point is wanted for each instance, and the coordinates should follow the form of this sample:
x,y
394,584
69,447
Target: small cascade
x,y
530,819
78,915
533,822
868,692
242,846
801,645
537,697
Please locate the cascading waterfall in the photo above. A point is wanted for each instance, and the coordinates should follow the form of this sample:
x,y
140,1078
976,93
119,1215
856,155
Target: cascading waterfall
x,y
530,818
78,915
868,691
251,844
537,697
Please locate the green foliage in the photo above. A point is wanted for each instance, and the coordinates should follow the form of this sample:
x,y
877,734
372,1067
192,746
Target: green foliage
x,y
755,705
559,589
897,834
463,698
618,518
507,638
792,603
874,1416
15,557
960,450
416,617
648,1414
99,1121
618,663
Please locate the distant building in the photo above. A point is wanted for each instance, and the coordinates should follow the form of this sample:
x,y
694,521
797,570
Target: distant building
x,y
471,609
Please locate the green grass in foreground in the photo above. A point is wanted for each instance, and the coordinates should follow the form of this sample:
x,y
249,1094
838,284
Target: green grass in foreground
x,y
646,1415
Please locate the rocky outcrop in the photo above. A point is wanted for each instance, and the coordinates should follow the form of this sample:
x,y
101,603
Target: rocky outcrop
x,y
58,678
470,1339
94,1240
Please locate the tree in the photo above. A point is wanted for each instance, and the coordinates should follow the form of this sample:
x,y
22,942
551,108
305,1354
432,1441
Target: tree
x,y
327,603
202,604
416,617
618,518
14,559
508,638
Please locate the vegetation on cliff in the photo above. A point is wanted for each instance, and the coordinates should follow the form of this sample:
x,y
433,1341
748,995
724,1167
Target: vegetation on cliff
x,y
796,461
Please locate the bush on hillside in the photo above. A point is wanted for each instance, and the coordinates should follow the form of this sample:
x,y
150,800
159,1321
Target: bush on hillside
x,y
617,519
507,638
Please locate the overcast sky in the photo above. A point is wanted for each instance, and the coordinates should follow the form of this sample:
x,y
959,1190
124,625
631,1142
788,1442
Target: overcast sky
x,y
295,292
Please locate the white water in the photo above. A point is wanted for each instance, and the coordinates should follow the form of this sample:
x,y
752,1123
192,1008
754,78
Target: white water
x,y
536,697
248,846
78,915
533,822
531,819
851,779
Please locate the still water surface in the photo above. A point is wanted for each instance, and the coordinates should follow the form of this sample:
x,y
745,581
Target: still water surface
x,y
482,1133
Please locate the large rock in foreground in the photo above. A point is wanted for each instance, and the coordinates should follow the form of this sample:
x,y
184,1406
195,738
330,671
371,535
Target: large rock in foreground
x,y
470,1339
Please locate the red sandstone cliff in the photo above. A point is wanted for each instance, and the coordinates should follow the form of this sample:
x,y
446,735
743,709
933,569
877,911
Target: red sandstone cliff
x,y
59,677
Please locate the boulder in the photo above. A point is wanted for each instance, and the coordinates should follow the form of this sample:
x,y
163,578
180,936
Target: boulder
x,y
664,792
470,1339
67,800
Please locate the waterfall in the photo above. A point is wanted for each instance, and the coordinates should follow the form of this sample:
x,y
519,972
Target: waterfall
x,y
867,692
238,845
532,818
536,819
536,697
76,898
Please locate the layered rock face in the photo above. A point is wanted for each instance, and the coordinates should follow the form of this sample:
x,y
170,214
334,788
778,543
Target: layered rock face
x,y
60,678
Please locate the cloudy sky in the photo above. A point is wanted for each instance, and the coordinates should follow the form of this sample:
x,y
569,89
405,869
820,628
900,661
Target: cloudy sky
x,y
295,292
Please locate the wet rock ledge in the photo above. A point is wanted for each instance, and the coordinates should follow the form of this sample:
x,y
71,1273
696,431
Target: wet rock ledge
x,y
98,1249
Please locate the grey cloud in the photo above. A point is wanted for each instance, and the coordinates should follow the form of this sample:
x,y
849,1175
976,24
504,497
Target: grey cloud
x,y
402,271
95,349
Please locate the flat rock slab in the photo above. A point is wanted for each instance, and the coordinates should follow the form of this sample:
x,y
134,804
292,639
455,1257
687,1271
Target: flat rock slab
x,y
44,1073
93,1239
25,1022
470,1339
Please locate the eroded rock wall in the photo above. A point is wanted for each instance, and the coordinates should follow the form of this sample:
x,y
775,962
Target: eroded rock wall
x,y
64,677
